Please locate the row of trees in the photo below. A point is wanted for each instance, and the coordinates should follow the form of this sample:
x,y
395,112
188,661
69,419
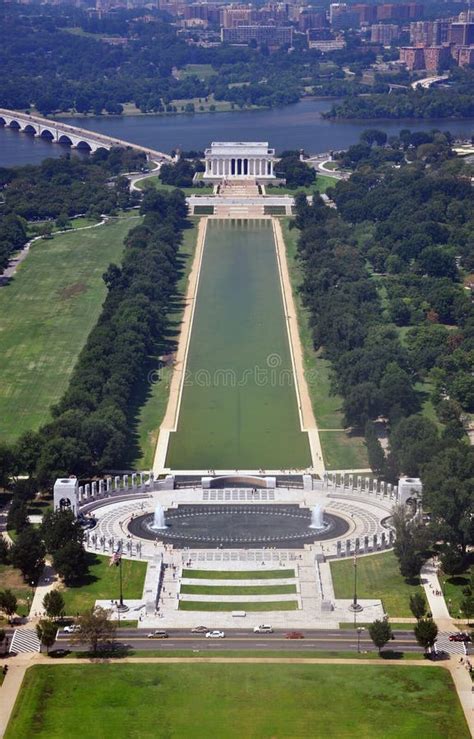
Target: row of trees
x,y
455,101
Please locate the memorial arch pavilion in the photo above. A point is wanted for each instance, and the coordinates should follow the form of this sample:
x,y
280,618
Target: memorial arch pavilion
x,y
239,160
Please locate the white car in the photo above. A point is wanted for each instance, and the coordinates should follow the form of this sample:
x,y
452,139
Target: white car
x,y
215,635
263,629
72,629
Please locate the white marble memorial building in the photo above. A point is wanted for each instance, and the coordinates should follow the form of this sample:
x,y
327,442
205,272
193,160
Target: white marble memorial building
x,y
232,160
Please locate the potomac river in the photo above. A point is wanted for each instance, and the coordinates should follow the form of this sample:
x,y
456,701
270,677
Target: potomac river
x,y
298,126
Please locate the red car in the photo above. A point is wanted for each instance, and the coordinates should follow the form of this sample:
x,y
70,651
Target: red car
x,y
294,635
461,636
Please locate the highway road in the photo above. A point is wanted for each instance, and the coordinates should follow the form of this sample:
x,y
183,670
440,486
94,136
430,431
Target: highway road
x,y
240,639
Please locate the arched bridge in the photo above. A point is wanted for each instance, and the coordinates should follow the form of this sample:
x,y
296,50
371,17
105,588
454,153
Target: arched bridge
x,y
62,133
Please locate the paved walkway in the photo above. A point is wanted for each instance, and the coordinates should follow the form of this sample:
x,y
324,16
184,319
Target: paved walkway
x,y
47,582
434,596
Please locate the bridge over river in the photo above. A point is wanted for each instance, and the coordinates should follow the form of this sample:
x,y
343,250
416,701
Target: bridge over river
x,y
62,133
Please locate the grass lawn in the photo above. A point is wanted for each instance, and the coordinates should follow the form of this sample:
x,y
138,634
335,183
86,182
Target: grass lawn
x,y
378,576
152,411
201,71
239,406
155,181
238,574
231,701
237,589
102,583
322,183
270,605
46,314
453,586
341,449
12,579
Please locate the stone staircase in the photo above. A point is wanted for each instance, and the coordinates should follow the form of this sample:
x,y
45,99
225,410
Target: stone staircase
x,y
24,641
225,210
239,189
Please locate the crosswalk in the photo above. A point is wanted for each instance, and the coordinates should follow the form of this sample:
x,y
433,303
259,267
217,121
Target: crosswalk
x,y
451,647
25,640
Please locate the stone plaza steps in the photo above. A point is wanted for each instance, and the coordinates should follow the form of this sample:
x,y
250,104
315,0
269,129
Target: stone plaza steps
x,y
225,210
239,189
25,641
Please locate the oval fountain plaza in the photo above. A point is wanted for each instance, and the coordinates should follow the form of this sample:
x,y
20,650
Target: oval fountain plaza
x,y
234,526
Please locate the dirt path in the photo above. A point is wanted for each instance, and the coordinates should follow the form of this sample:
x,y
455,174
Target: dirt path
x,y
170,421
305,407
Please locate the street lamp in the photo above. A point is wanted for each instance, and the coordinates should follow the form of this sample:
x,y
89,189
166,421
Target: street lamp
x,y
355,607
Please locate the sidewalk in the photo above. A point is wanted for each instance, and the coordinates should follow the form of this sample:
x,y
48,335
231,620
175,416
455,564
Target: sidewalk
x,y
436,603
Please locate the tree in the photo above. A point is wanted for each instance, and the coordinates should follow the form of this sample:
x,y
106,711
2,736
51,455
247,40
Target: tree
x,y
3,636
426,632
6,464
71,562
46,631
53,604
467,606
4,551
59,528
418,605
95,627
411,539
8,602
380,633
448,491
27,553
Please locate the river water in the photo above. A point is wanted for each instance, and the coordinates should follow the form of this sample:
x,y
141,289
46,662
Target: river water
x,y
298,126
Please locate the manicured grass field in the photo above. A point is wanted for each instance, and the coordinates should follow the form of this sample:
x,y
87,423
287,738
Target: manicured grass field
x,y
341,449
159,185
270,605
231,701
238,574
46,313
153,409
237,589
378,576
239,406
323,182
453,585
103,583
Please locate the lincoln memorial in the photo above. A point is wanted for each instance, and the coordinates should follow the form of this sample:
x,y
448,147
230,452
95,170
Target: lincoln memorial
x,y
239,160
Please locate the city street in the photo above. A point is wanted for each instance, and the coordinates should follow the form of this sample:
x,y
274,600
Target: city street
x,y
241,639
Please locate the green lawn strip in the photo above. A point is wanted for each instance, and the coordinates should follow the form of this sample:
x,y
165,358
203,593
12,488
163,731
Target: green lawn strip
x,y
201,71
209,651
453,586
196,605
103,583
378,576
341,449
46,314
237,589
155,181
238,574
323,182
237,700
154,406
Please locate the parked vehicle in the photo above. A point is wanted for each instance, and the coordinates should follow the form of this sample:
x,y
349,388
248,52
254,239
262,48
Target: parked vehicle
x,y
215,635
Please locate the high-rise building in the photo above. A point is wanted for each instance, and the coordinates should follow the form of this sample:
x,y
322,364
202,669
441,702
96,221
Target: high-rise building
x,y
461,34
272,35
413,57
237,15
465,56
310,18
367,13
384,33
436,58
